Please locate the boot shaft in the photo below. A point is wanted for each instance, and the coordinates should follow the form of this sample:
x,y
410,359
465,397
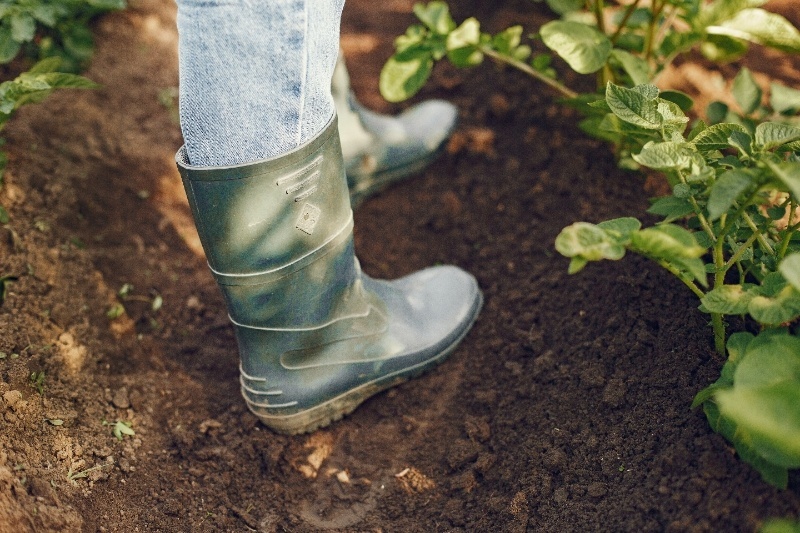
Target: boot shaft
x,y
265,226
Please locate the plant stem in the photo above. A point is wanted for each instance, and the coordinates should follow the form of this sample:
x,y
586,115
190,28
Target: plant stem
x,y
524,67
664,28
699,212
681,276
761,240
628,12
718,324
742,249
703,220
790,229
598,14
651,30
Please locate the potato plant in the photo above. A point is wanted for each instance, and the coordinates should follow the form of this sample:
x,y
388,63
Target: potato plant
x,y
56,32
735,191
31,87
729,230
50,28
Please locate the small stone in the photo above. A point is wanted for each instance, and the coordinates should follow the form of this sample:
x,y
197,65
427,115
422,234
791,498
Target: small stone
x,y
120,399
13,399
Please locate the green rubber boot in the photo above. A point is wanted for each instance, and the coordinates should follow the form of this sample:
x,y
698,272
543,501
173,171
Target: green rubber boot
x,y
381,149
316,336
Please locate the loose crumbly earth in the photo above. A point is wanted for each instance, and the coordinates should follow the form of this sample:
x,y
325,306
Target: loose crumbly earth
x,y
565,409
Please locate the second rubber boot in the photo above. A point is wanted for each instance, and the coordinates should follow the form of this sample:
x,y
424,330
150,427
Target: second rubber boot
x,y
380,149
316,336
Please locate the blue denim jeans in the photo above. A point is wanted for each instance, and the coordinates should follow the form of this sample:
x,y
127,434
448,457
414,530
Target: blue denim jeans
x,y
255,76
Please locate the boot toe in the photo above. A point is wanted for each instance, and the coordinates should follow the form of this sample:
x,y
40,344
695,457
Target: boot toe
x,y
402,146
430,311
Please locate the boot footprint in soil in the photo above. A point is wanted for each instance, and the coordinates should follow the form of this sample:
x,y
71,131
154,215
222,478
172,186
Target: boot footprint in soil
x,y
316,336
381,149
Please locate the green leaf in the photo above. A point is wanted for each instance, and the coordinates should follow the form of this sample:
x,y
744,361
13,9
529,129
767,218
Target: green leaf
x,y
671,208
61,80
565,6
620,228
414,37
674,119
721,10
716,137
746,91
507,40
634,107
45,66
664,156
674,245
780,525
789,268
46,14
9,48
115,311
461,44
778,309
436,16
681,99
400,80
634,66
770,359
629,132
583,47
770,135
589,242
23,27
576,264
737,346
668,241
79,43
723,49
716,112
726,190
761,27
741,141
107,5
788,173
649,91
727,300
771,417
784,100
4,218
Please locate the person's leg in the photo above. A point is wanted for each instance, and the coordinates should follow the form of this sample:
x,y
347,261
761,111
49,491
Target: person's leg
x,y
270,200
255,76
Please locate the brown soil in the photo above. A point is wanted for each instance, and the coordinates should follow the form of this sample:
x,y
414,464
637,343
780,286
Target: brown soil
x,y
566,408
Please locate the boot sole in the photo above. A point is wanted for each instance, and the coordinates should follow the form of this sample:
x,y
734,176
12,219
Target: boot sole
x,y
337,408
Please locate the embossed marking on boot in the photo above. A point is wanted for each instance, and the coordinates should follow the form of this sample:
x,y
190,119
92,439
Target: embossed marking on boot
x,y
302,182
244,377
309,216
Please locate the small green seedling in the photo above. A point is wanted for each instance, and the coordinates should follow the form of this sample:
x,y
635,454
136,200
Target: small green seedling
x,y
36,380
115,311
120,429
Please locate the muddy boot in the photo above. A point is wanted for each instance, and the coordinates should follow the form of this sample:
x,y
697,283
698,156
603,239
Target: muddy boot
x,y
316,336
379,149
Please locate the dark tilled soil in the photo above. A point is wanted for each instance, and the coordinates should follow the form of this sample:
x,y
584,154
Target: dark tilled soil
x,y
565,409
